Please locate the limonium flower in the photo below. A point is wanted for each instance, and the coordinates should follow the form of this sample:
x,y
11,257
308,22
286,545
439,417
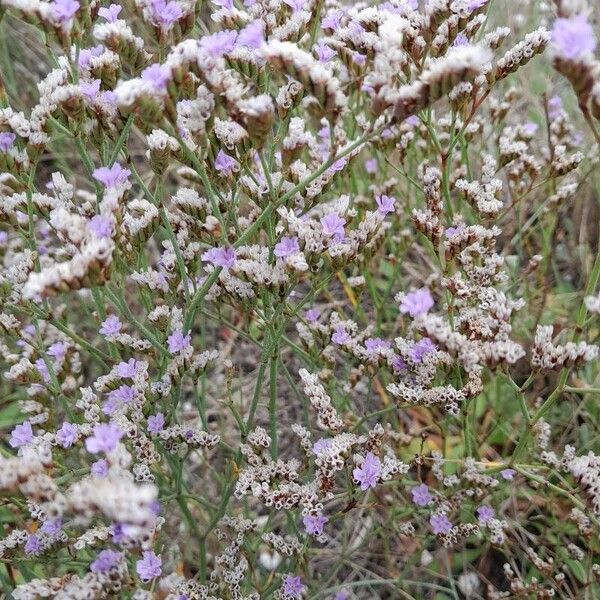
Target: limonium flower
x,y
227,4
340,336
104,438
178,342
333,226
573,37
101,226
421,496
220,257
105,561
371,165
111,13
225,164
127,369
66,435
421,349
21,435
312,315
368,473
124,394
314,524
149,566
321,445
86,55
90,89
157,76
33,546
52,527
111,176
324,52
99,468
508,474
374,344
252,36
166,13
485,513
111,325
332,20
156,423
63,10
385,204
286,247
440,524
474,4
7,139
57,350
416,303
219,43
292,586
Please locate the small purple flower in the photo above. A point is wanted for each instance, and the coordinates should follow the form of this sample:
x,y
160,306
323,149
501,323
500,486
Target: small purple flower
x,y
508,474
7,139
324,52
358,58
440,524
292,586
338,165
99,468
314,524
555,106
333,226
573,37
149,566
295,5
340,336
178,342
21,435
42,369
3,238
252,36
111,176
485,514
111,13
530,128
312,315
58,350
332,20
413,121
64,10
286,247
321,445
474,4
220,257
105,561
158,76
111,325
368,474
124,394
166,13
105,438
460,41
375,344
33,546
385,204
225,164
398,364
156,423
371,166
450,231
86,55
227,4
421,496
417,302
219,43
342,595
421,349
51,527
90,89
101,226
127,369
66,435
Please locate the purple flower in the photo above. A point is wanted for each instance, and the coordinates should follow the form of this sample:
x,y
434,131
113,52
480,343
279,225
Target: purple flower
x,y
371,165
57,350
111,13
358,58
573,37
100,468
485,514
64,10
338,165
340,336
368,474
124,394
508,474
460,40
66,435
413,120
385,204
158,76
86,55
286,247
474,4
149,566
220,257
127,369
111,325
333,226
417,302
421,496
374,344
324,52
178,342
292,586
90,89
312,315
314,524
530,128
342,595
21,435
421,349
227,4
440,524
450,231
166,13
252,36
295,5
101,226
33,546
42,369
219,43
321,445
398,364
105,561
332,20
111,176
555,105
156,423
51,527
105,438
225,164
6,140
3,238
